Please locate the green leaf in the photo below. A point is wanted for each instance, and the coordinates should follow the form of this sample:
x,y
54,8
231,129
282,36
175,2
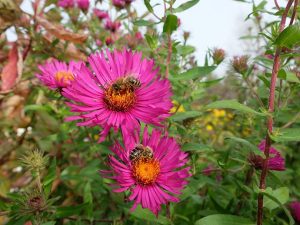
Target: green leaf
x,y
142,22
37,108
180,116
170,24
281,194
88,198
145,214
232,104
194,73
268,192
185,6
222,219
288,134
185,50
49,223
50,177
148,5
289,36
247,144
152,41
288,76
196,147
66,211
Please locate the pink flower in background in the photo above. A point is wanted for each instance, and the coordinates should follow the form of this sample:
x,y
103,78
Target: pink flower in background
x,y
109,41
138,35
83,4
153,170
129,1
58,74
276,161
119,3
99,42
113,26
295,210
207,171
121,90
101,14
66,3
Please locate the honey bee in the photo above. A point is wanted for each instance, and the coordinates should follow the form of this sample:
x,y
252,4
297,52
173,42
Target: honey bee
x,y
139,152
124,83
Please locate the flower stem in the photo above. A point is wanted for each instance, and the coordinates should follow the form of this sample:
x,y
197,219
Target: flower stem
x,y
276,67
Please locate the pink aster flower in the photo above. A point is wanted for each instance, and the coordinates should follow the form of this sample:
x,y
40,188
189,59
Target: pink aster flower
x,y
153,170
276,161
83,4
100,14
121,90
113,26
57,74
66,3
295,210
119,3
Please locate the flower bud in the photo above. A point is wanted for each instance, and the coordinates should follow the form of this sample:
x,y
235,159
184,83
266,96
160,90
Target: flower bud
x,y
240,64
34,160
218,55
186,35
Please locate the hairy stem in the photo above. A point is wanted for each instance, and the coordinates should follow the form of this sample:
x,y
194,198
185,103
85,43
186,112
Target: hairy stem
x,y
276,66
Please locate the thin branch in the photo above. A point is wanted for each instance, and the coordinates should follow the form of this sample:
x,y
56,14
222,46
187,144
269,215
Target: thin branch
x,y
276,4
294,119
169,44
276,67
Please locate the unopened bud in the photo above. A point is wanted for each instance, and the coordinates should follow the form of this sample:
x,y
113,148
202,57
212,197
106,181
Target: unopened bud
x,y
240,64
34,160
218,55
186,35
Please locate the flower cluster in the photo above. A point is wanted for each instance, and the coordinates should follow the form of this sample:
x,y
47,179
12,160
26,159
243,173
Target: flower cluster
x,y
119,90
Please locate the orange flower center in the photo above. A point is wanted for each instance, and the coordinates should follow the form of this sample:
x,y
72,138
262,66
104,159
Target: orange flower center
x,y
64,76
120,97
145,170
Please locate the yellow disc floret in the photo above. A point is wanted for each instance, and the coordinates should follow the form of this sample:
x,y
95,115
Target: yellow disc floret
x,y
146,171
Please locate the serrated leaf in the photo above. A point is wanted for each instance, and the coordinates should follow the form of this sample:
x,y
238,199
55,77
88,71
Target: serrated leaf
x,y
170,24
222,219
289,36
232,104
194,73
185,6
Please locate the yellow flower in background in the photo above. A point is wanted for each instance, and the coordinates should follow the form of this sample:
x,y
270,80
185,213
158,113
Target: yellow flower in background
x,y
219,113
209,127
177,107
